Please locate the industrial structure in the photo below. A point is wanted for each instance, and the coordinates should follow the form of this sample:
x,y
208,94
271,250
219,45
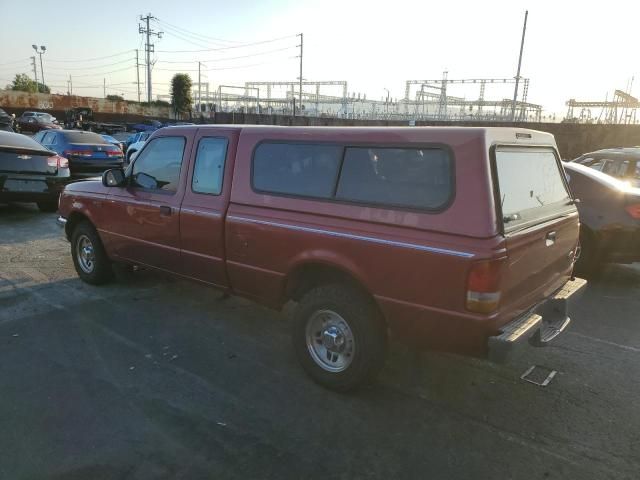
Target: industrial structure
x,y
423,100
620,110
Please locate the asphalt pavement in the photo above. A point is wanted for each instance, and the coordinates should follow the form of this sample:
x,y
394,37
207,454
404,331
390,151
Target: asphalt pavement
x,y
152,377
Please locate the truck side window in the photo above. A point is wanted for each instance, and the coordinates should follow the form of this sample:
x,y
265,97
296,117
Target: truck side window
x,y
208,170
161,160
308,170
405,177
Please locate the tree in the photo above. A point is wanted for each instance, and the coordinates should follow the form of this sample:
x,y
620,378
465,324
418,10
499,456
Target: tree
x,y
181,93
115,98
23,83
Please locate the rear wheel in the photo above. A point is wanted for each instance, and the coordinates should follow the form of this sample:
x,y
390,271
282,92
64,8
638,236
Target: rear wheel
x,y
89,258
48,205
589,261
339,337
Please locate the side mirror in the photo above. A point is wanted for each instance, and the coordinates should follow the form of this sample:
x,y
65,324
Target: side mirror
x,y
145,181
114,177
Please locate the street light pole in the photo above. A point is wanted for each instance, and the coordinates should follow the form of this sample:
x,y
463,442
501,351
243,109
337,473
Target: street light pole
x,y
41,52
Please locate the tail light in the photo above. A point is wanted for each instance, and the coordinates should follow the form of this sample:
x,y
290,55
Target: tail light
x,y
77,153
633,210
58,162
114,153
483,286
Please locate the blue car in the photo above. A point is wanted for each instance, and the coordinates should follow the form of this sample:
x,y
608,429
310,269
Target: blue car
x,y
146,126
88,153
113,141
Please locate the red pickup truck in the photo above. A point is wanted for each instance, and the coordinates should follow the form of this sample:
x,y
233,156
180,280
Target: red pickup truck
x,y
457,239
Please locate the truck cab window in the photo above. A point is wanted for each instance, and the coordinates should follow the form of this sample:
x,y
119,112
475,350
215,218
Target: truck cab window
x,y
209,166
161,160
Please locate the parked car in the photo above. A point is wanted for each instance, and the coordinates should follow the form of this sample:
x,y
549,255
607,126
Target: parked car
x,y
6,121
30,173
89,154
145,126
139,141
609,218
32,122
621,163
113,141
457,239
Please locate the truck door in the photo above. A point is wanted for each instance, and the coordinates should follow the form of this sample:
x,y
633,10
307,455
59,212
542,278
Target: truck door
x,y
144,216
540,222
204,207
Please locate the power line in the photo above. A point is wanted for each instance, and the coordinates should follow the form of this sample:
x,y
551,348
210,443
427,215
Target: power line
x,y
225,68
92,67
231,58
229,47
91,59
194,34
16,61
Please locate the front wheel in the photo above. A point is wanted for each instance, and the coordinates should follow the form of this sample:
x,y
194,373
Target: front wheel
x,y
89,258
339,337
48,205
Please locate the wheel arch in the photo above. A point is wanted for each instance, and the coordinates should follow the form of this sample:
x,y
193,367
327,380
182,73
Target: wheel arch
x,y
306,275
76,217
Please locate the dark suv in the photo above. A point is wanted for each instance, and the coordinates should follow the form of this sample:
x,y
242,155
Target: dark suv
x,y
621,163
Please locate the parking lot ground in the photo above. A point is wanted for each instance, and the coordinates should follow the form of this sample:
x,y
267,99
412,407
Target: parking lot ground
x,y
152,377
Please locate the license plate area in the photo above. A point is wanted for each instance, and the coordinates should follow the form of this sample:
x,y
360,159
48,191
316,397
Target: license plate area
x,y
15,185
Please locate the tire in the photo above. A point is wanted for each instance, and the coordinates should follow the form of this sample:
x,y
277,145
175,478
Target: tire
x,y
92,266
339,337
589,261
48,205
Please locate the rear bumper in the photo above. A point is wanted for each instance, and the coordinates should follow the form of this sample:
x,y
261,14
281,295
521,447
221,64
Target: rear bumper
x,y
538,326
48,188
88,169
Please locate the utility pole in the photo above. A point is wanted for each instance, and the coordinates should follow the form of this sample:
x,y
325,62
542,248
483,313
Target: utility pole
x,y
149,49
104,88
35,69
386,103
515,93
138,74
199,91
300,92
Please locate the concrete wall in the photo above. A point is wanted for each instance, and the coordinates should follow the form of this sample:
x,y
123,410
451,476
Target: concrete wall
x,y
104,110
573,139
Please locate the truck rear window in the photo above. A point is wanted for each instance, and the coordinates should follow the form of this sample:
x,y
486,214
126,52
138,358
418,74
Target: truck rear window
x,y
531,185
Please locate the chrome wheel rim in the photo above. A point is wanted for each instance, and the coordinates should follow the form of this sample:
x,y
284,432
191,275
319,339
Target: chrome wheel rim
x,y
85,254
330,341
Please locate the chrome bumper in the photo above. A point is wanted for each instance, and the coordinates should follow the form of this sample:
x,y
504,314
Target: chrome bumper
x,y
540,326
61,221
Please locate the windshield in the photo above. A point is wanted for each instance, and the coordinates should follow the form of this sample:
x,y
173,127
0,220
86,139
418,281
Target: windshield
x,y
531,185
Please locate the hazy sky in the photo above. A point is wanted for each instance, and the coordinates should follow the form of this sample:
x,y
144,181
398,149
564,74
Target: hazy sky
x,y
573,49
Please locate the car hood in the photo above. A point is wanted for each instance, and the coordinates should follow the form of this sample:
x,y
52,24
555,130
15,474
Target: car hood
x,y
92,185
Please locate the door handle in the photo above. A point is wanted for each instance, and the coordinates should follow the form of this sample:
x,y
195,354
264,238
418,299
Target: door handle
x,y
165,210
550,239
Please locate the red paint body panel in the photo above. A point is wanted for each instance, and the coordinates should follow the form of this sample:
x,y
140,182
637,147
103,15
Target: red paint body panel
x,y
414,263
202,220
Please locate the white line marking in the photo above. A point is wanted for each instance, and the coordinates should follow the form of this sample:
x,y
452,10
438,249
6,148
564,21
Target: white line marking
x,y
606,342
